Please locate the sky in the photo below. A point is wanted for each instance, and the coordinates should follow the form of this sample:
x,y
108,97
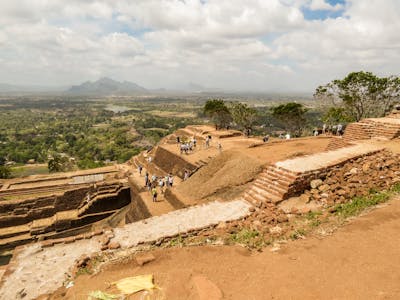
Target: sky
x,y
234,45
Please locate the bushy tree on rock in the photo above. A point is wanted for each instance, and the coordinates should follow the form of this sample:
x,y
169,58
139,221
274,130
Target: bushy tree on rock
x,y
292,116
217,110
243,115
360,95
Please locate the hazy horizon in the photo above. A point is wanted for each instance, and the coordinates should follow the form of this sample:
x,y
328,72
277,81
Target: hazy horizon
x,y
269,46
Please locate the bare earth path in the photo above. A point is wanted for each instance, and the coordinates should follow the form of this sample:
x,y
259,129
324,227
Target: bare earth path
x,y
359,261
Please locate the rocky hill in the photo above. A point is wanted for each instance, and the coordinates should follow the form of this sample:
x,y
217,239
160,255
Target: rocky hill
x,y
106,86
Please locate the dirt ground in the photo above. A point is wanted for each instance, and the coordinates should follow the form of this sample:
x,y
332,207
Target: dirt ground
x,y
221,178
225,176
359,261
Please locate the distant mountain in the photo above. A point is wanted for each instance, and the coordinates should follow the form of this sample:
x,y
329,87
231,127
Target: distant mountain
x,y
107,86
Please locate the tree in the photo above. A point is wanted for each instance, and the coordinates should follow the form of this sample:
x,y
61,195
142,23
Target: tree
x,y
59,163
243,115
218,112
336,115
360,94
292,116
5,171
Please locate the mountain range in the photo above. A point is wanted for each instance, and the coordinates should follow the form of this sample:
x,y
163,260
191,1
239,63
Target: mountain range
x,y
107,86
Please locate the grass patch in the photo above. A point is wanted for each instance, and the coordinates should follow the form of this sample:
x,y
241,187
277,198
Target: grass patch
x,y
359,204
395,188
298,234
313,218
23,171
249,238
176,241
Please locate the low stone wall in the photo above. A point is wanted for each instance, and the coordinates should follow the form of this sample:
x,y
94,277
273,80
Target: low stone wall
x,y
355,177
277,183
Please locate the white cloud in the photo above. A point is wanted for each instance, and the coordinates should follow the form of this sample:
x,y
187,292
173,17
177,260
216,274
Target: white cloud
x,y
253,44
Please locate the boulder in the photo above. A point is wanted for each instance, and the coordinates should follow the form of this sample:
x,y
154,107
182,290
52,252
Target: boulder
x,y
324,188
304,198
315,183
114,245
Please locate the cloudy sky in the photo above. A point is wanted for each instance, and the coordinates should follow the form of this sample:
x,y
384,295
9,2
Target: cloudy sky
x,y
263,45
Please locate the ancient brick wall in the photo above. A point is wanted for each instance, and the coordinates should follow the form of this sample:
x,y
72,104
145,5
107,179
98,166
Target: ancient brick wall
x,y
172,163
355,177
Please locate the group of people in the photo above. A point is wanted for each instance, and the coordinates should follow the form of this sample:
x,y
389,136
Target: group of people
x,y
328,129
151,183
186,147
285,136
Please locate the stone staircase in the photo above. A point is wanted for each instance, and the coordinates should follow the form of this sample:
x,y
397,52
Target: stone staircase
x,y
357,131
374,128
380,129
336,143
274,184
152,168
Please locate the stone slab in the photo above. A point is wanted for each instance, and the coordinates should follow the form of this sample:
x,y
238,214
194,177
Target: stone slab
x,y
326,159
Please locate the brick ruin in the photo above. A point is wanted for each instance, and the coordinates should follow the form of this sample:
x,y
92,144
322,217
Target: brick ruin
x,y
374,128
42,208
60,206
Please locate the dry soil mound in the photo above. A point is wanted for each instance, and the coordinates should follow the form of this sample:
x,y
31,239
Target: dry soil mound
x,y
222,177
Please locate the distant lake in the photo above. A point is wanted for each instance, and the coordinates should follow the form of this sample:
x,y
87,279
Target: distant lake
x,y
116,109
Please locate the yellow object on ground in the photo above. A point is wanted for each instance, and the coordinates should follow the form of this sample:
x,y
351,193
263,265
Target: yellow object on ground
x,y
135,284
99,295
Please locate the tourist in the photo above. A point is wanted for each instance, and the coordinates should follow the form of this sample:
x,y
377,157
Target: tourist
x,y
170,180
149,185
334,130
266,138
207,142
248,130
149,159
166,180
287,136
140,168
146,179
154,193
219,147
186,175
178,140
339,129
324,128
153,178
161,185
194,141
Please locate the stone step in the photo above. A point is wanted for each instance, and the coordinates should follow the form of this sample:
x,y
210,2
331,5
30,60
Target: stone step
x,y
274,181
8,232
271,187
12,242
280,174
270,191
